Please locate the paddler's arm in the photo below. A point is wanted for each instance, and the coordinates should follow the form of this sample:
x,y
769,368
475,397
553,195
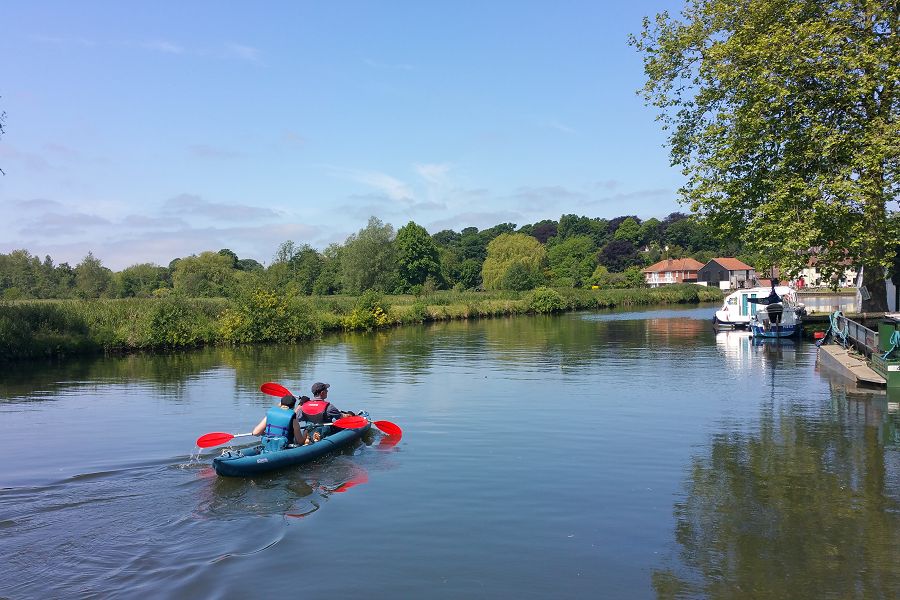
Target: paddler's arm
x,y
260,428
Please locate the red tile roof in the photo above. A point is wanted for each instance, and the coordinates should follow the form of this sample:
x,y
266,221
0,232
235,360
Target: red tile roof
x,y
672,265
733,264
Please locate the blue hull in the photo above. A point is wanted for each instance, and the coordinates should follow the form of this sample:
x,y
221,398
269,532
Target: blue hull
x,y
252,461
775,331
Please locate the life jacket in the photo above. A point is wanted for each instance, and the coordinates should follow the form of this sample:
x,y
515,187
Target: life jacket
x,y
278,424
314,410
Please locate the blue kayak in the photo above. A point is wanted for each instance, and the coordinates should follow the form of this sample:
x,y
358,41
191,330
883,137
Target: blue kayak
x,y
255,460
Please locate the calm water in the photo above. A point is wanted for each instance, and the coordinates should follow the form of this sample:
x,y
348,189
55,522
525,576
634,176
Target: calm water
x,y
602,455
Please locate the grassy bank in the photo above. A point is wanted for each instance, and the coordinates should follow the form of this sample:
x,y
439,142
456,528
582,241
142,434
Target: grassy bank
x,y
34,329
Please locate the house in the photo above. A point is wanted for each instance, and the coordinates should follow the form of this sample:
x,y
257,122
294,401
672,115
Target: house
x,y
811,277
672,270
727,274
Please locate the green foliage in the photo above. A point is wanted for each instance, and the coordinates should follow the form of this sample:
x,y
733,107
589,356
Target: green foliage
x,y
368,259
618,255
629,230
544,300
520,277
91,278
173,324
572,259
139,281
417,255
785,117
260,315
207,275
521,253
369,313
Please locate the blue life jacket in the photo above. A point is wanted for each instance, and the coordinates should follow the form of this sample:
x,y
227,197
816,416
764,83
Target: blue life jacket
x,y
278,423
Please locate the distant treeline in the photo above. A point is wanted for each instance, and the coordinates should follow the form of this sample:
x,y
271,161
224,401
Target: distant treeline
x,y
52,328
573,252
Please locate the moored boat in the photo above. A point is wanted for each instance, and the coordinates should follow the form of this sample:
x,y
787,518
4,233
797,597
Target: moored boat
x,y
246,462
741,306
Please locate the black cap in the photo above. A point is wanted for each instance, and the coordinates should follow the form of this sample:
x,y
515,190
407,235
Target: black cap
x,y
318,387
289,400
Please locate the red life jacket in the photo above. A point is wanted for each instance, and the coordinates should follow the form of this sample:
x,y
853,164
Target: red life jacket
x,y
314,410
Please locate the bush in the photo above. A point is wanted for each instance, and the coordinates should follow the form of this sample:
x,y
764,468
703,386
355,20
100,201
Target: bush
x,y
369,313
545,301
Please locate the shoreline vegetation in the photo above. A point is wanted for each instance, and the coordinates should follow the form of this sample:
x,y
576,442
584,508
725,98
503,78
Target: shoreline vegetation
x,y
35,329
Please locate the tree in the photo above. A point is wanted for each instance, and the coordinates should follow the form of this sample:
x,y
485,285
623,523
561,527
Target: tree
x,y
140,280
513,249
573,260
417,255
91,278
329,279
618,255
571,225
630,230
207,275
785,117
368,259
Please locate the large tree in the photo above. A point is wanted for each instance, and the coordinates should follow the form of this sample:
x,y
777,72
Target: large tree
x,y
516,252
368,259
417,255
783,115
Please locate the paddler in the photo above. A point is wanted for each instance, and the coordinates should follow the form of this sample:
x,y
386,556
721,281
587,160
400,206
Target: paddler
x,y
319,410
280,425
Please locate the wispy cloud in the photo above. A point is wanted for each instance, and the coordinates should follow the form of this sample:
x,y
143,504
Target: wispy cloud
x,y
38,204
557,125
61,40
390,186
192,204
539,198
388,66
62,224
433,173
208,151
242,52
164,46
482,220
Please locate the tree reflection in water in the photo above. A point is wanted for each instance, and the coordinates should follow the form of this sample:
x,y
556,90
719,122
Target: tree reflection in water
x,y
805,507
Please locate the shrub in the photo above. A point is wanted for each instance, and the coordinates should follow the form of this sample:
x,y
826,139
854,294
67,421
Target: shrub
x,y
544,300
369,313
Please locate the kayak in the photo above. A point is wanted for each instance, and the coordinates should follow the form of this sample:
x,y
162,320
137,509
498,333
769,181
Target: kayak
x,y
246,462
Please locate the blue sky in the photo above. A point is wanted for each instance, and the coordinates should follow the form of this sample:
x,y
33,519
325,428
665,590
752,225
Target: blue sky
x,y
149,131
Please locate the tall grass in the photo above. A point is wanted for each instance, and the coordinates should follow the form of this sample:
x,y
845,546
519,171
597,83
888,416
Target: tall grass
x,y
34,329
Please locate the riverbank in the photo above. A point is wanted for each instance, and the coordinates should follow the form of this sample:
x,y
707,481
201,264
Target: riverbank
x,y
48,329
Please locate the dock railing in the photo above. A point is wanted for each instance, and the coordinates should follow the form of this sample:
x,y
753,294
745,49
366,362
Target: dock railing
x,y
864,339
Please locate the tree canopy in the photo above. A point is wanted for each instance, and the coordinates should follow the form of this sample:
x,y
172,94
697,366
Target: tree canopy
x,y
783,115
518,258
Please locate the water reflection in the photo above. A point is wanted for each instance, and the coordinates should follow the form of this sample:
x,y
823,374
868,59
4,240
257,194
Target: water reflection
x,y
805,505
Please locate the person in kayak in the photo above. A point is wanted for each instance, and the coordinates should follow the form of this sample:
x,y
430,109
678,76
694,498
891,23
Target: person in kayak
x,y
319,410
280,427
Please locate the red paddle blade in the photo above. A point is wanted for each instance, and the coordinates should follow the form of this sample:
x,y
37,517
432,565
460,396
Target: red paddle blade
x,y
274,389
351,422
358,478
213,439
389,428
313,407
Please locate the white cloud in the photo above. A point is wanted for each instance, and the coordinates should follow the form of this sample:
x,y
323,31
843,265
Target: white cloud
x,y
164,46
390,186
242,52
433,173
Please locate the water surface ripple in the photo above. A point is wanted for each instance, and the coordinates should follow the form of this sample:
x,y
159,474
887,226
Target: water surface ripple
x,y
622,454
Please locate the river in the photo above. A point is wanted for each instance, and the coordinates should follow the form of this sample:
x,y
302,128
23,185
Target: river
x,y
590,455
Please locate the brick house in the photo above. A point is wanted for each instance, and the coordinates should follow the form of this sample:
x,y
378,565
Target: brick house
x,y
672,270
